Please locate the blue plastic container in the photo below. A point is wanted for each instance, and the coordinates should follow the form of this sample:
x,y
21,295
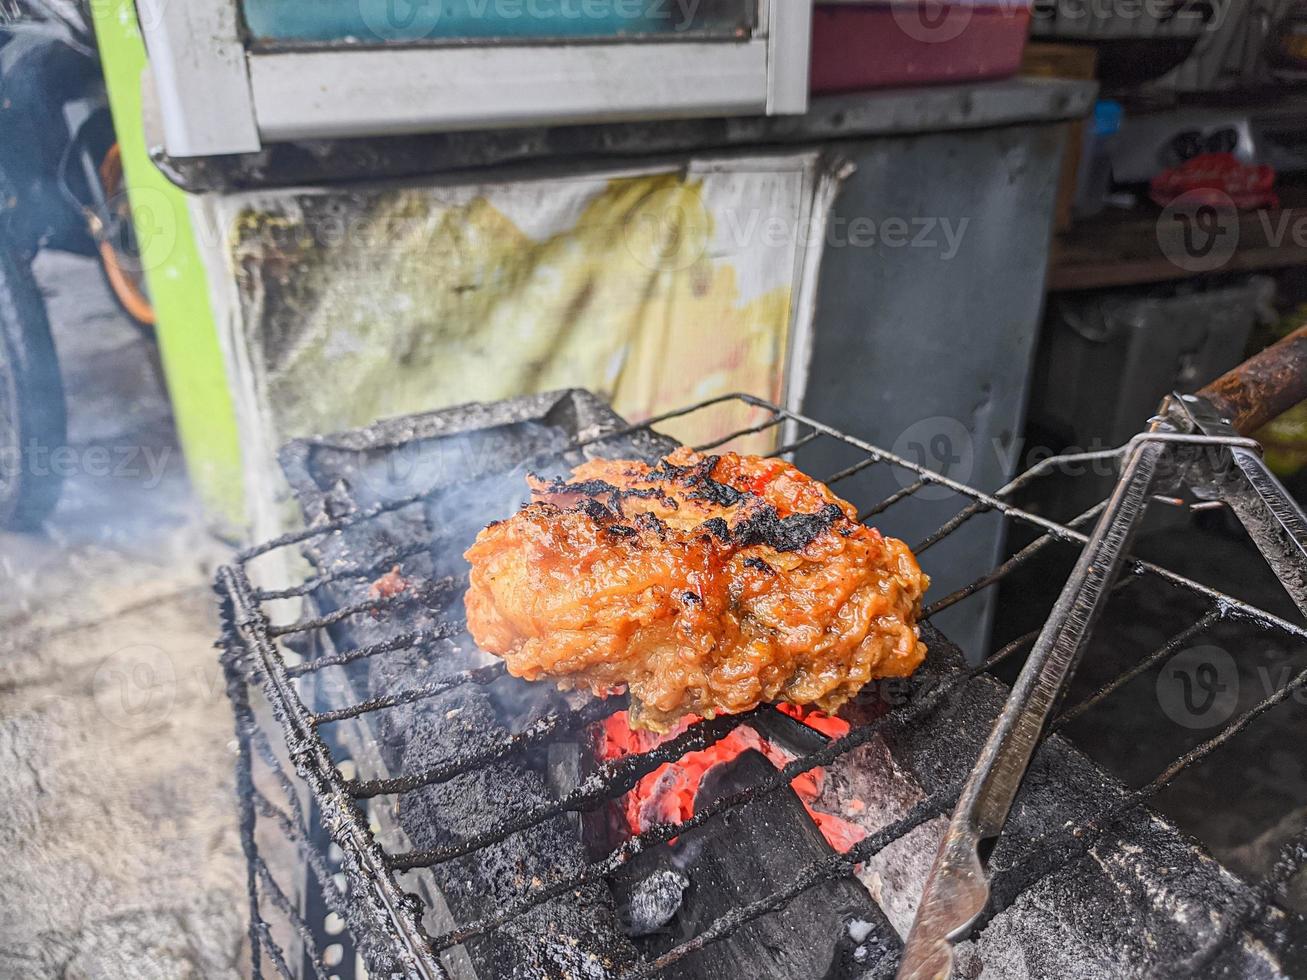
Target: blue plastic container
x,y
372,21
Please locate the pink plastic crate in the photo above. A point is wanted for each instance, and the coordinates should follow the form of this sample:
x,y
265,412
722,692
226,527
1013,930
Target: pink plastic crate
x,y
879,44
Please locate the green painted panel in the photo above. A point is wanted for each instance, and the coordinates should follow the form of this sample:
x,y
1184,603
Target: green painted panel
x,y
179,287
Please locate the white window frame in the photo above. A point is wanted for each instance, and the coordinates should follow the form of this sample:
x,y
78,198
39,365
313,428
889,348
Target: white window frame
x,y
217,97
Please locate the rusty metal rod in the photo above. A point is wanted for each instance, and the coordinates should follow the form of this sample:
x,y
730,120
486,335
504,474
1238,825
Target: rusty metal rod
x,y
1263,387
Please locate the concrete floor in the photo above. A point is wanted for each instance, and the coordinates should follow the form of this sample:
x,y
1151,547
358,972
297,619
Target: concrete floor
x,y
117,819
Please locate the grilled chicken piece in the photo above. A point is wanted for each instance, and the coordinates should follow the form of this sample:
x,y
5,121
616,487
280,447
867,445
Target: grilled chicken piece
x,y
704,585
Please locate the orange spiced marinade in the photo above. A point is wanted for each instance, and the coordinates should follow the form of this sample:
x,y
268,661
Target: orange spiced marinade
x,y
703,585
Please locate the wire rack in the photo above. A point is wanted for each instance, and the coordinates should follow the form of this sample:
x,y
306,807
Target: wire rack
x,y
297,785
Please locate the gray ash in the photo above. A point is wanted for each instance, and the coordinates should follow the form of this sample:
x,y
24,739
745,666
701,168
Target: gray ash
x,y
654,902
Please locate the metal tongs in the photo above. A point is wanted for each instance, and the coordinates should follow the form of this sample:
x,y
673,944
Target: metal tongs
x,y
1198,441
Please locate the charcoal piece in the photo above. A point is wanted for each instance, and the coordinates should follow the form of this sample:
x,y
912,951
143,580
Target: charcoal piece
x,y
564,938
654,902
745,855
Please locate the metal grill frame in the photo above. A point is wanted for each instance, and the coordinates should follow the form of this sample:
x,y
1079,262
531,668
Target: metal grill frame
x,y
385,920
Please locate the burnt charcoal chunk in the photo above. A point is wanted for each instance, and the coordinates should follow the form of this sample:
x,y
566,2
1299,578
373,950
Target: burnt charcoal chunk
x,y
564,938
654,902
833,930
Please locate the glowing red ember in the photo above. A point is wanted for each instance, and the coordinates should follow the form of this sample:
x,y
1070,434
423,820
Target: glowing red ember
x,y
389,585
667,794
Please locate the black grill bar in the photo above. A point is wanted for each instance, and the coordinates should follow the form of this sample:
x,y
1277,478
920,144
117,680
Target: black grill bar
x,y
244,724
1050,464
983,502
795,446
891,500
1202,751
314,764
771,423
317,530
404,641
662,833
1133,566
835,866
537,733
296,834
253,658
273,950
1054,851
344,573
849,471
614,778
650,423
416,592
1166,650
951,525
478,675
293,826
274,893
1007,567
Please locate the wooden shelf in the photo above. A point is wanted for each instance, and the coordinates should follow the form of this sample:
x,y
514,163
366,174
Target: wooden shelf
x,y
1127,248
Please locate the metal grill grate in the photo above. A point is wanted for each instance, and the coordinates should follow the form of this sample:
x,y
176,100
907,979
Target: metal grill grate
x,y
303,785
